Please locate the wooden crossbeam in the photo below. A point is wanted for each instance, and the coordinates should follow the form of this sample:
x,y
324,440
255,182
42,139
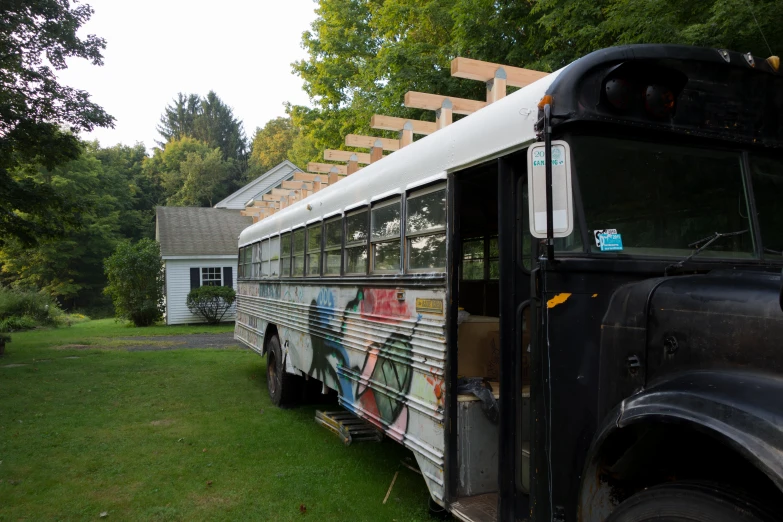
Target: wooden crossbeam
x,y
271,197
368,142
306,176
297,185
485,71
280,192
345,155
390,123
433,102
326,167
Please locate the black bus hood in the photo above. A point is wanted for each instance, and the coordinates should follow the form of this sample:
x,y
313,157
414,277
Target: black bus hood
x,y
656,328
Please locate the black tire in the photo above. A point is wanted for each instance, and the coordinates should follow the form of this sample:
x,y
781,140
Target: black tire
x,y
687,503
283,387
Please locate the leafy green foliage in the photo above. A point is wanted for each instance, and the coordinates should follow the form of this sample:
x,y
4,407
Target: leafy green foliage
x,y
108,185
38,115
26,309
270,146
363,55
135,274
211,302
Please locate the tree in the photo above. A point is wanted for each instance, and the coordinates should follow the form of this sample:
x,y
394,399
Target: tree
x,y
211,302
270,146
206,119
135,274
38,115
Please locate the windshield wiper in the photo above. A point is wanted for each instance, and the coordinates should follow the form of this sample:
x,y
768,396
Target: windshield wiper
x,y
709,240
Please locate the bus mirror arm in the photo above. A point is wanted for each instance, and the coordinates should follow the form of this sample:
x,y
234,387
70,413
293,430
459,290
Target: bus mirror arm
x,y
550,242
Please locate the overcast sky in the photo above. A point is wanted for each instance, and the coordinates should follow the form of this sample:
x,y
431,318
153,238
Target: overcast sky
x,y
241,49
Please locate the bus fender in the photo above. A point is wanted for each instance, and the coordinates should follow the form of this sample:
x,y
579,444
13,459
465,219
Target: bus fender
x,y
741,408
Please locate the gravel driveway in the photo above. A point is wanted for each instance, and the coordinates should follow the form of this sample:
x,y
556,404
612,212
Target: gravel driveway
x,y
179,342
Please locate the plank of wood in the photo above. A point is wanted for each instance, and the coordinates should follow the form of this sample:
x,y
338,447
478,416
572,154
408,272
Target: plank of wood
x,y
345,155
433,102
326,167
368,142
271,197
485,71
280,192
306,176
390,123
296,185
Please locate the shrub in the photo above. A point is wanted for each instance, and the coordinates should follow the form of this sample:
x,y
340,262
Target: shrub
x,y
25,306
135,273
17,323
211,302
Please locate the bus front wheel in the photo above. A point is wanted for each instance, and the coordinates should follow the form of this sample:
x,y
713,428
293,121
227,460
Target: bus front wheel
x,y
281,385
686,502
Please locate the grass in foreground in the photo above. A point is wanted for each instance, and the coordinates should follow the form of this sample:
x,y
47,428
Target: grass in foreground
x,y
175,435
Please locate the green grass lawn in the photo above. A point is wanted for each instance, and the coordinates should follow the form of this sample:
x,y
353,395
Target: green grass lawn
x,y
175,435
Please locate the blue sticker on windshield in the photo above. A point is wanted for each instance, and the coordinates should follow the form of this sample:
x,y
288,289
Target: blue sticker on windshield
x,y
609,240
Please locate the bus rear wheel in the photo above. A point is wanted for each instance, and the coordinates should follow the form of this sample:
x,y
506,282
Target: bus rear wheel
x,y
686,503
282,386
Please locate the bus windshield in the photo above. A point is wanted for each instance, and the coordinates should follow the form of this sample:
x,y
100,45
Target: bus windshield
x,y
767,178
663,199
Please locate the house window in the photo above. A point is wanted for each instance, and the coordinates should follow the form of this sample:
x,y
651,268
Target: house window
x,y
356,243
425,230
211,276
385,227
333,232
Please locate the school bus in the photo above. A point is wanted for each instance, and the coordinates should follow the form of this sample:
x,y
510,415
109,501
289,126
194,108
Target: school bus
x,y
566,305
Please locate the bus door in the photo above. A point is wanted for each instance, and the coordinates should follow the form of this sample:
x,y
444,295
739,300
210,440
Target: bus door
x,y
515,263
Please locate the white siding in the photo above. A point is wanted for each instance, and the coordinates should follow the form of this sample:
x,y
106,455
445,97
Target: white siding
x,y
178,287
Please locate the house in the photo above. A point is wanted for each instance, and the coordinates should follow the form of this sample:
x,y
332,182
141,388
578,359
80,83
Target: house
x,y
263,184
199,247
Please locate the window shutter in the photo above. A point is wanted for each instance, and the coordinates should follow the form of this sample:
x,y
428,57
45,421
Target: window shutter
x,y
195,278
228,276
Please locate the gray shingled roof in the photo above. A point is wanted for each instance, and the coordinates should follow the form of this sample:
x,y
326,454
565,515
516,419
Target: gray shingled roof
x,y
184,231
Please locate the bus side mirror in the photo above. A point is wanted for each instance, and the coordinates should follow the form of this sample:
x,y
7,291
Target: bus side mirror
x,y
562,195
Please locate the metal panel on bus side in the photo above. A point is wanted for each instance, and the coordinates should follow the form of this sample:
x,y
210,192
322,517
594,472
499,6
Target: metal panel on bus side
x,y
382,348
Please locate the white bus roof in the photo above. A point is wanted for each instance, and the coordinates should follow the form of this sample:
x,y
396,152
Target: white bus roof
x,y
495,130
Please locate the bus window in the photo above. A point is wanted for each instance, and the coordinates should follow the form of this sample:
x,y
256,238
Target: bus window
x,y
297,267
333,240
767,176
356,243
385,240
240,268
425,230
246,261
274,256
473,260
313,250
285,254
264,261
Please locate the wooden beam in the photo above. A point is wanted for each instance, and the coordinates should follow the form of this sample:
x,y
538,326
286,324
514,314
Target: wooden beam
x,y
444,116
334,176
497,87
326,167
368,142
390,123
433,102
280,192
271,197
296,185
353,164
406,135
485,71
304,176
345,155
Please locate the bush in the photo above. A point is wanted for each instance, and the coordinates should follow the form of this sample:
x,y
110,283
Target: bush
x,y
135,273
211,302
25,309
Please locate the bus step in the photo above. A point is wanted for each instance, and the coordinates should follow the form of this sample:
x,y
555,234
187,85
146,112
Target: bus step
x,y
348,427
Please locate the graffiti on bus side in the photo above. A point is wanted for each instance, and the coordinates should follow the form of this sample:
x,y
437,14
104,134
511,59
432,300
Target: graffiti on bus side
x,y
329,353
